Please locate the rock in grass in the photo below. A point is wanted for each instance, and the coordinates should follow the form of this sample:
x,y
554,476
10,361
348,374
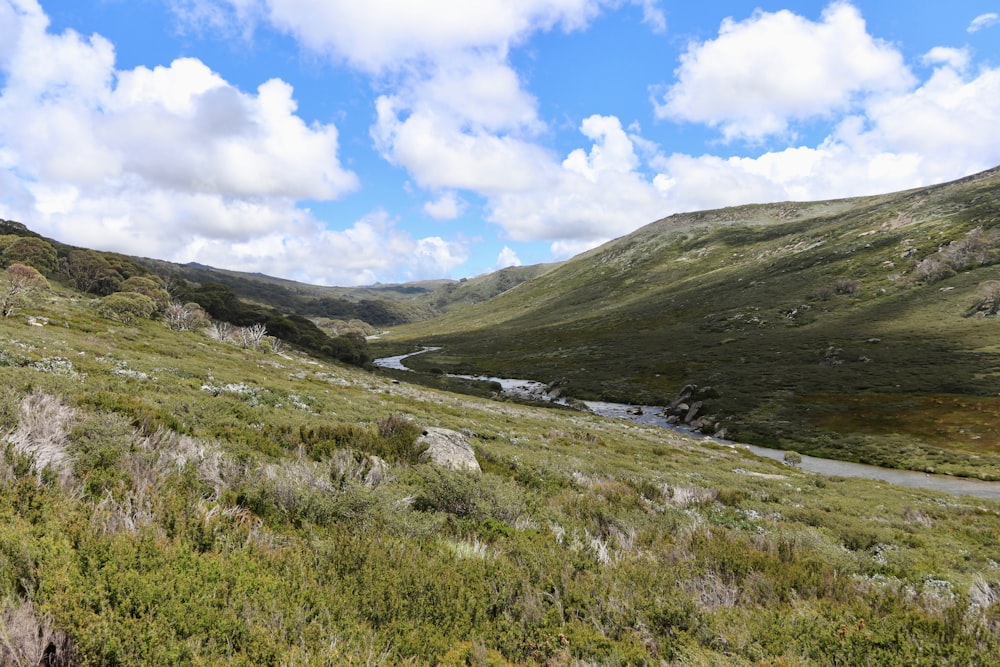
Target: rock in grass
x,y
448,449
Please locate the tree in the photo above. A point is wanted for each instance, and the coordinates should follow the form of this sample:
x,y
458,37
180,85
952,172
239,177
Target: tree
x,y
127,307
125,265
221,331
250,337
89,271
33,252
6,240
18,283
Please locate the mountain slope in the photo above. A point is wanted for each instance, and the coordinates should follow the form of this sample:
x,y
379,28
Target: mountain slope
x,y
167,498
172,497
377,305
859,329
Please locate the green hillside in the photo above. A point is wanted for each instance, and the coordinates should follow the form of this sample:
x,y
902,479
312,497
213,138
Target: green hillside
x,y
173,496
374,305
861,329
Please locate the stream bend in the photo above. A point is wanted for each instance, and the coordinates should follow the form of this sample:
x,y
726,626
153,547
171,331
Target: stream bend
x,y
652,416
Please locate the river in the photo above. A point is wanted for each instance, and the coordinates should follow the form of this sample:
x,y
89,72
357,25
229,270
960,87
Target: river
x,y
652,416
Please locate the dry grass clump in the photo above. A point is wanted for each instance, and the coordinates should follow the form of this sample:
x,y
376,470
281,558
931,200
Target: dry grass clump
x,y
28,639
685,496
147,465
41,433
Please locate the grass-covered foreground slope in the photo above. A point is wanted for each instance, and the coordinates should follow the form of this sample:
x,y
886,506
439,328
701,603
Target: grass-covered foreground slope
x,y
861,329
167,499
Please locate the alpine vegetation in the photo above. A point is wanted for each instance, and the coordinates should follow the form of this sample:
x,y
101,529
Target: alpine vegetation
x,y
178,488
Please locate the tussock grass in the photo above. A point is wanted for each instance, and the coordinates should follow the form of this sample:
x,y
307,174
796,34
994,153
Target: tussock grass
x,y
41,433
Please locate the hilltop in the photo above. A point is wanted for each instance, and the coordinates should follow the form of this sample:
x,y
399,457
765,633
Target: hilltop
x,y
862,329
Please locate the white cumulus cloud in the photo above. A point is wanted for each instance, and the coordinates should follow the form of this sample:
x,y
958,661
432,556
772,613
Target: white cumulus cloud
x,y
446,207
507,257
942,55
984,21
175,162
303,253
456,114
763,73
589,197
382,34
947,127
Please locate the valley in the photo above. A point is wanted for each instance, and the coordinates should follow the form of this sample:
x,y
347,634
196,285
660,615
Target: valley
x,y
652,415
224,482
857,329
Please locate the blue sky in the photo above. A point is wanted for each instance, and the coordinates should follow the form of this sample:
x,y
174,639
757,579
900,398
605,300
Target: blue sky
x,y
343,142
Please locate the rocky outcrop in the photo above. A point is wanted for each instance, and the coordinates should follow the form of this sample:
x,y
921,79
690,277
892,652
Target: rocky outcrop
x,y
448,449
689,409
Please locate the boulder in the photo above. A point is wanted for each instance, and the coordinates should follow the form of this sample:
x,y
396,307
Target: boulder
x,y
705,393
704,425
692,412
448,449
685,394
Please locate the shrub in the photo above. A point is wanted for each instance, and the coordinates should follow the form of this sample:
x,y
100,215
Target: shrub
x,y
932,269
847,286
397,439
793,458
394,439
451,492
18,283
126,307
987,303
321,441
187,317
98,443
150,286
824,292
470,496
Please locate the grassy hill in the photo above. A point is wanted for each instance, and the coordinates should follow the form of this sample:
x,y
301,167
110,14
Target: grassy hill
x,y
376,305
860,329
167,498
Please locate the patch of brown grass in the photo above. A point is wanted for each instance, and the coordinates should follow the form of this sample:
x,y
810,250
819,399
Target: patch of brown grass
x,y
966,423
